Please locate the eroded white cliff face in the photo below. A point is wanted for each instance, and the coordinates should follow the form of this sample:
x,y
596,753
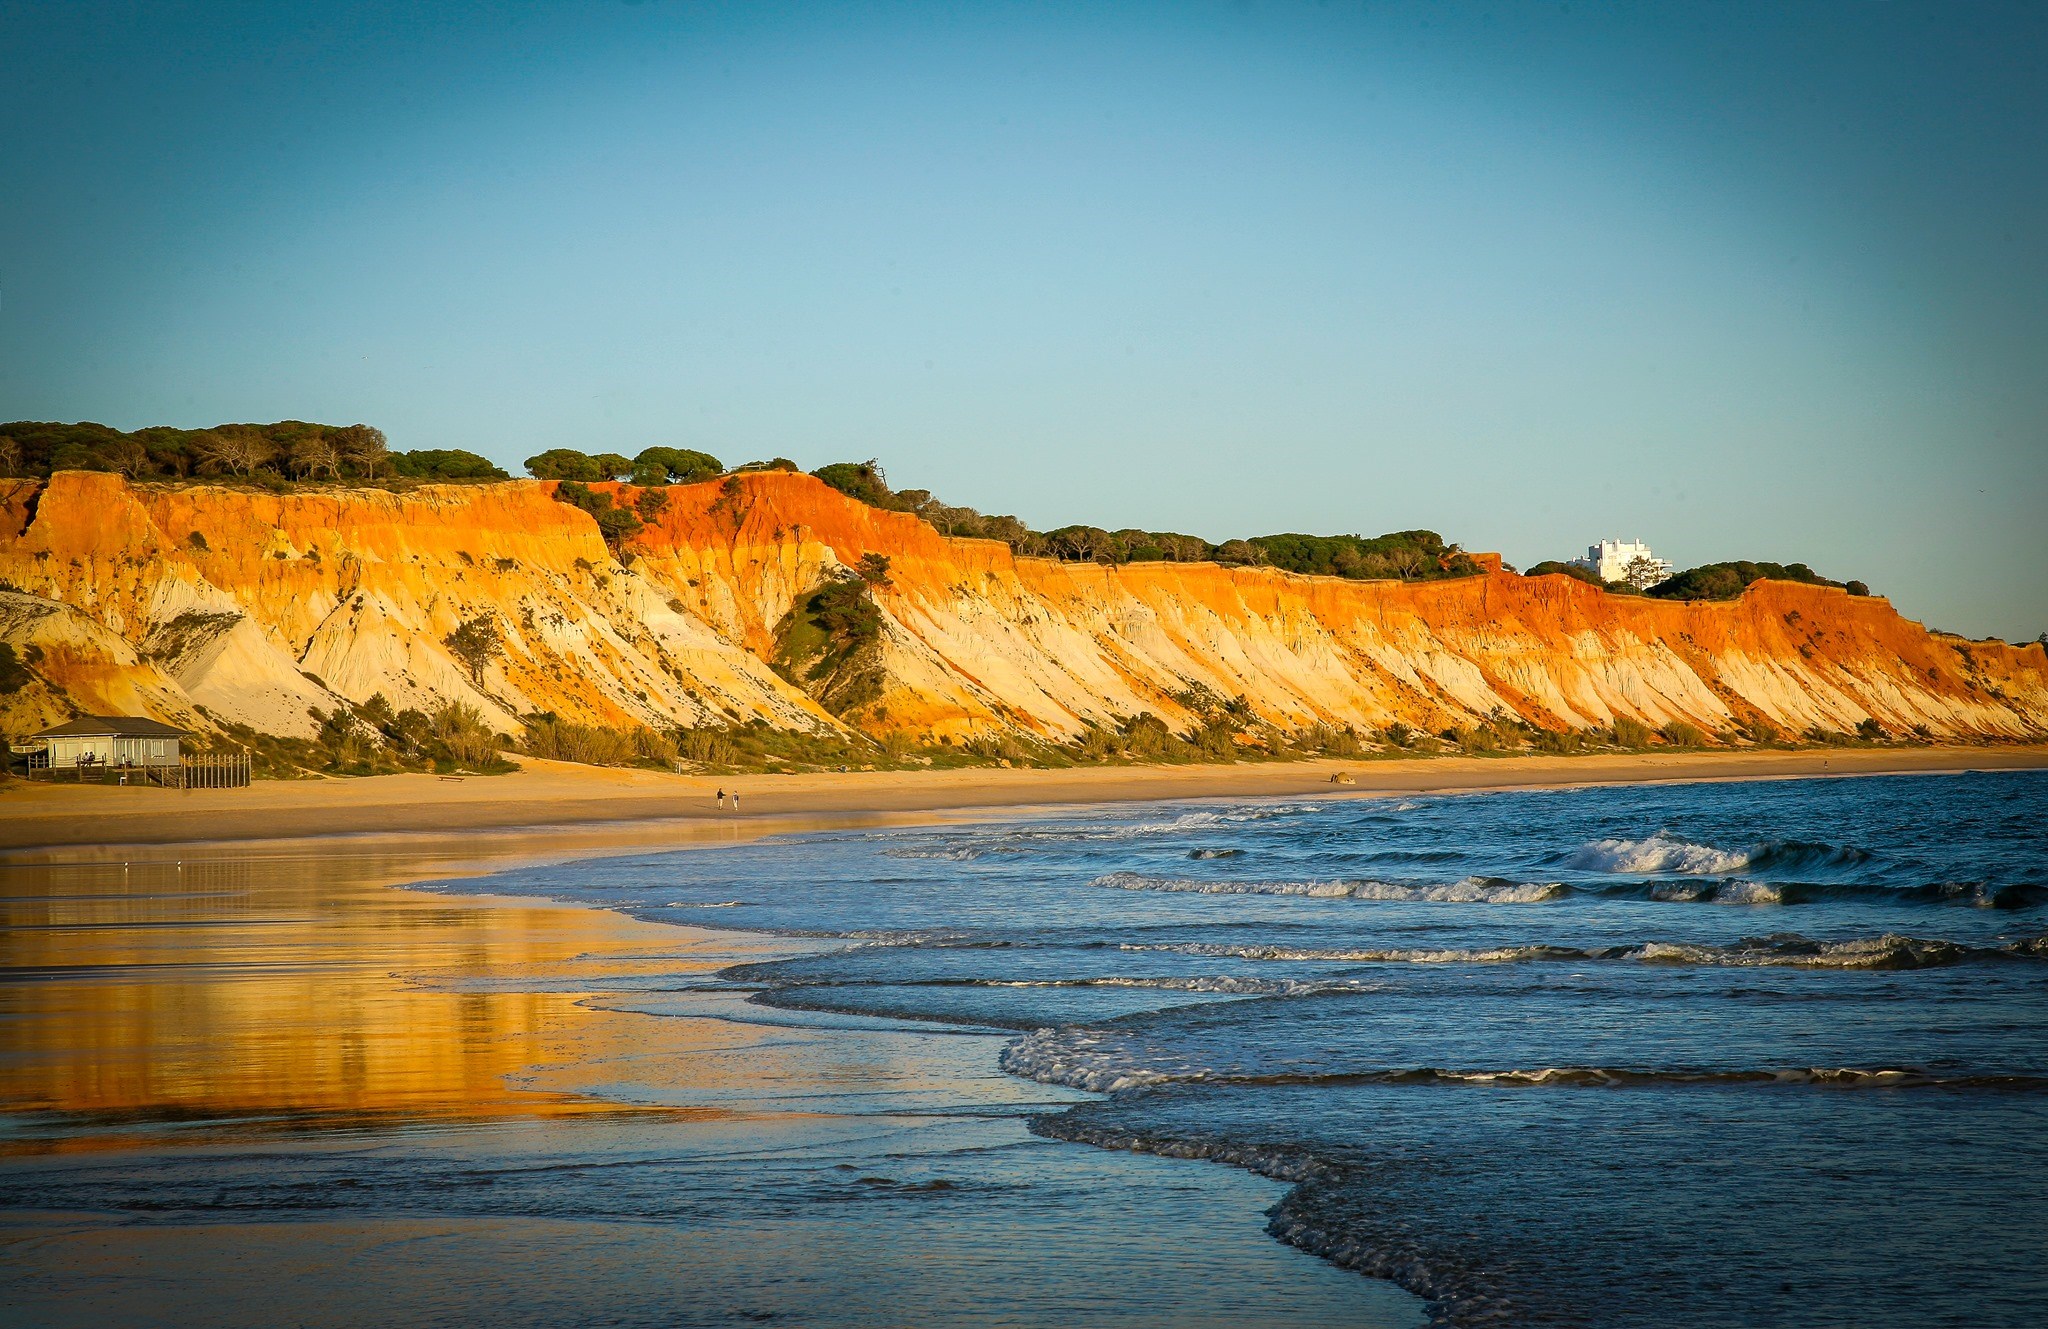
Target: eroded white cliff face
x,y
262,608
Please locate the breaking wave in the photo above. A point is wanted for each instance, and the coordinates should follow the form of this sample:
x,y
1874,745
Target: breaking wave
x,y
1659,853
1471,890
1668,853
1502,890
1023,839
1091,1060
1779,950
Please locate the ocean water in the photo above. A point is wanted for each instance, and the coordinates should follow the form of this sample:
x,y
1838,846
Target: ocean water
x,y
1718,1054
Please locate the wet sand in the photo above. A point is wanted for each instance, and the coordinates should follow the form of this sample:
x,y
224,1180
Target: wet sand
x,y
223,986
260,1084
546,793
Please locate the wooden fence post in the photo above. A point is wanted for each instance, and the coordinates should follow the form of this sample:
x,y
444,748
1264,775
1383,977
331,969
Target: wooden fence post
x,y
215,770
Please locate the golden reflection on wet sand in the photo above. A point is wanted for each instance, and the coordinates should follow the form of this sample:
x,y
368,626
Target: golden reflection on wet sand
x,y
414,1108
288,985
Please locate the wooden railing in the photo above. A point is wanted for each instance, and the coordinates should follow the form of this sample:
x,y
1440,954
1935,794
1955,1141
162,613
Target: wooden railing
x,y
208,770
214,770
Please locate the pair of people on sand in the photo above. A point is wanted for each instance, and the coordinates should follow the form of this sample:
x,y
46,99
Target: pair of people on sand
x,y
735,799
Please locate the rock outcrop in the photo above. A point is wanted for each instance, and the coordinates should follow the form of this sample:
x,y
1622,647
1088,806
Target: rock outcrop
x,y
260,608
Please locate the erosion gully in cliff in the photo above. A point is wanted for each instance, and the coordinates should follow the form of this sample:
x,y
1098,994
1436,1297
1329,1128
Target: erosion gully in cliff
x,y
194,601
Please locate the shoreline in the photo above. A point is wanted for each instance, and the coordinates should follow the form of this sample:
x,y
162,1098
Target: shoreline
x,y
568,1043
326,1004
584,803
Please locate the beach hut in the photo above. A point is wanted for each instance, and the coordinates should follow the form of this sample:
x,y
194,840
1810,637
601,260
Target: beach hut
x,y
110,740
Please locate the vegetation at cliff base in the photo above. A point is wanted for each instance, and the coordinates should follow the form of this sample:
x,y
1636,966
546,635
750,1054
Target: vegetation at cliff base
x,y
596,745
372,738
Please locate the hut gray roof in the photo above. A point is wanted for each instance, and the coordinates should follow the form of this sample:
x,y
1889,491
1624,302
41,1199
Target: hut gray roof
x,y
111,726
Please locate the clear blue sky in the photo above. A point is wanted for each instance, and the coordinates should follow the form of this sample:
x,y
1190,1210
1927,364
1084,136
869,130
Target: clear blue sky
x,y
1760,281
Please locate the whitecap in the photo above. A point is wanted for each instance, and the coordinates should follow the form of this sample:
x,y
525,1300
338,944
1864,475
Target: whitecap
x,y
1661,852
1469,890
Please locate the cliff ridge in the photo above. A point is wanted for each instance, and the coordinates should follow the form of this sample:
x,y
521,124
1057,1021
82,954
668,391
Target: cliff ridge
x,y
187,601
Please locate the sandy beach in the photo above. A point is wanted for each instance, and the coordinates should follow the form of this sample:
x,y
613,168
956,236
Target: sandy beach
x,y
558,794
229,1018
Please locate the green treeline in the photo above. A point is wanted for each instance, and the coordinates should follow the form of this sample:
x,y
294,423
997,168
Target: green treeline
x,y
1708,581
1551,567
653,466
272,455
1407,555
1725,581
276,456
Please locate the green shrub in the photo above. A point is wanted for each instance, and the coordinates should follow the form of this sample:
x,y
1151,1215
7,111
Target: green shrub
x,y
460,730
650,504
591,745
1725,581
706,747
1680,734
1216,740
675,466
255,453
1402,555
997,747
1096,743
445,464
564,464
476,644
863,481
14,675
345,741
655,746
1558,742
1477,738
614,523
1630,733
1328,741
1553,568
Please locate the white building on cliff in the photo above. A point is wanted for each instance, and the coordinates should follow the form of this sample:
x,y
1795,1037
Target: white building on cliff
x,y
1612,560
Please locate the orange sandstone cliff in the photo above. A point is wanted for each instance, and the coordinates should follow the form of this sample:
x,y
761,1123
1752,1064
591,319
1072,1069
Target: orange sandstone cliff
x,y
192,601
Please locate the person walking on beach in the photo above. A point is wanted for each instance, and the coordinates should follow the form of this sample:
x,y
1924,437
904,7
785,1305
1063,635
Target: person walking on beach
x,y
735,800
721,800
